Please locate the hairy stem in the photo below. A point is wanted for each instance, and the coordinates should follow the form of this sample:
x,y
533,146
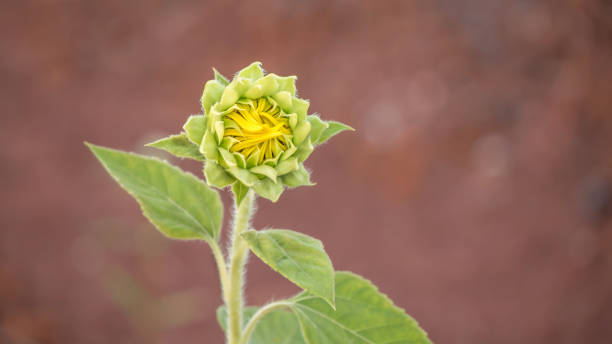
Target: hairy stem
x,y
250,326
238,255
222,267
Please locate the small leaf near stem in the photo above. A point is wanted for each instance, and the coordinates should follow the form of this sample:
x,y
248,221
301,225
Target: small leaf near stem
x,y
240,190
298,257
278,326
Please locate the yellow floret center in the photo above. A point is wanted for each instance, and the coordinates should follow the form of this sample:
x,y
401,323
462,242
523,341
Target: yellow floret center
x,y
257,128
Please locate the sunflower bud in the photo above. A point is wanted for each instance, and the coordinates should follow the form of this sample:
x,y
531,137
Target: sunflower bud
x,y
255,133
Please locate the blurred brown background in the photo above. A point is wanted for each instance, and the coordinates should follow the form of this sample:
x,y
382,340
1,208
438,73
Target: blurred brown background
x,y
476,192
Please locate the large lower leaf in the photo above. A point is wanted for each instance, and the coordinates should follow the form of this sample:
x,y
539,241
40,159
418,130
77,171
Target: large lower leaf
x,y
180,205
277,327
363,316
298,257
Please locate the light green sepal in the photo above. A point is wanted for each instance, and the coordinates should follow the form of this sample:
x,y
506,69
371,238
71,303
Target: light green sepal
x,y
269,85
301,177
195,127
317,127
220,78
178,145
268,189
304,150
286,83
209,147
212,93
287,166
219,131
241,85
239,159
284,100
240,191
272,161
293,120
229,97
253,160
265,86
228,158
216,175
252,71
334,128
256,91
226,142
300,132
247,178
300,106
289,151
266,171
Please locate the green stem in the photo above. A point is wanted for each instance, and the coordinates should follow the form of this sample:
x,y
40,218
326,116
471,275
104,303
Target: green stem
x,y
248,329
239,252
222,267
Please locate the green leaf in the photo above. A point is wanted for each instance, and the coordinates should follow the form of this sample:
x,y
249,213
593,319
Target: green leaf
x,y
180,205
363,315
334,129
195,127
178,145
298,257
277,327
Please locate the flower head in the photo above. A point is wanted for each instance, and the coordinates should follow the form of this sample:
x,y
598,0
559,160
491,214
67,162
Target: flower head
x,y
255,132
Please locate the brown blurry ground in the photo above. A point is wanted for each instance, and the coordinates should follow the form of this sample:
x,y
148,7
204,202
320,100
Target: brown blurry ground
x,y
476,192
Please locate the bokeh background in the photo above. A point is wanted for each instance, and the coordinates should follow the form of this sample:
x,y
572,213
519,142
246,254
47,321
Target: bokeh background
x,y
476,192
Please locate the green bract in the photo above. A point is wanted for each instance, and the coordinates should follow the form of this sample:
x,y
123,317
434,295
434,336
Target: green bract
x,y
254,131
